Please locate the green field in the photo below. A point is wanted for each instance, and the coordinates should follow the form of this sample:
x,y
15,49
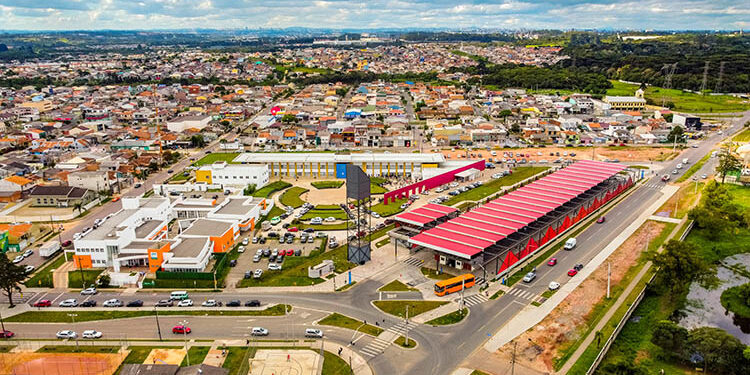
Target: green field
x,y
87,316
450,318
294,269
6,348
291,197
196,354
377,189
492,187
743,136
89,277
683,101
43,278
433,274
398,308
334,365
78,349
343,321
217,156
390,209
396,286
271,188
327,184
337,214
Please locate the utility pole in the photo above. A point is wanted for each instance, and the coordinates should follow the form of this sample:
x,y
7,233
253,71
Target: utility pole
x,y
184,324
721,77
513,359
158,327
461,304
407,325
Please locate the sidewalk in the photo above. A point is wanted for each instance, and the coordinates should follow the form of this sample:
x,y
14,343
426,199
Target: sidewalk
x,y
530,315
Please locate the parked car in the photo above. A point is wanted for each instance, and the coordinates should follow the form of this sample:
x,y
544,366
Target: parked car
x,y
529,277
259,331
70,302
256,258
552,262
210,303
554,285
89,303
180,329
6,334
28,253
43,303
18,259
274,267
185,303
257,274
234,303
313,332
114,302
165,303
244,240
29,269
136,303
89,292
233,263
252,303
66,334
91,334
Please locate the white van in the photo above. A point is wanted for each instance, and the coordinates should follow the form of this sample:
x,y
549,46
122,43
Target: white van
x,y
312,332
570,244
179,295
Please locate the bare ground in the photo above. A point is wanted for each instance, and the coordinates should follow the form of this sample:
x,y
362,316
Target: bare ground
x,y
623,154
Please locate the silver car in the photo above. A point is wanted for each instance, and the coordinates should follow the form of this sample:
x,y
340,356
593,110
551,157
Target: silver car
x,y
71,302
67,334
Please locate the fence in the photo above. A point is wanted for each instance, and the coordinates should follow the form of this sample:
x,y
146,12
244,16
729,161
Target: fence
x,y
429,183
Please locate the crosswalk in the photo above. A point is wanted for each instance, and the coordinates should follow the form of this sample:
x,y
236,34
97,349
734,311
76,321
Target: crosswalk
x,y
474,299
378,345
654,185
412,261
19,299
518,292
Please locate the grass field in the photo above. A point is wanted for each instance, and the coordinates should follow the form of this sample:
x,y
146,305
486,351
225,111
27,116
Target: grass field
x,y
683,101
343,321
138,354
334,365
377,189
6,348
197,354
327,184
271,188
398,308
78,349
87,316
89,277
396,286
492,187
337,214
43,278
477,372
450,318
433,274
390,209
339,226
291,197
236,359
217,156
294,270
743,136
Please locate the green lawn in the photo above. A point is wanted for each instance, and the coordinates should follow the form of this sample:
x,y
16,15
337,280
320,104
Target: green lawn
x,y
743,136
78,349
43,278
237,358
477,372
291,197
325,207
401,341
87,316
138,354
334,365
197,354
89,277
327,184
433,274
337,214
343,321
294,270
450,318
179,177
494,186
271,188
390,209
338,226
398,308
377,189
683,101
396,286
217,156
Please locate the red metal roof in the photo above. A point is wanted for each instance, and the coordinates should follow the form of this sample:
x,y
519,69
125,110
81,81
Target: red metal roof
x,y
476,230
425,214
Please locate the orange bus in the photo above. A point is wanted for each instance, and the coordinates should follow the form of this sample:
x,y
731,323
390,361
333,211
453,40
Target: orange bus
x,y
454,284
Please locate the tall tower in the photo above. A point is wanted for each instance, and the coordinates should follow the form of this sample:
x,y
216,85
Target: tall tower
x,y
358,197
705,78
721,77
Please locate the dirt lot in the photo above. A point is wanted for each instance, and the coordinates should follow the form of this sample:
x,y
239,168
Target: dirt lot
x,y
60,364
165,356
569,319
623,154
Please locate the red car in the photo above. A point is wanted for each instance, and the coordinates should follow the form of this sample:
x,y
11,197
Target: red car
x,y
6,334
180,329
572,272
552,262
289,253
600,219
293,229
43,303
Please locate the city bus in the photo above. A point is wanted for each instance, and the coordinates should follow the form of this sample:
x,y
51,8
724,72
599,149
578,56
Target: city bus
x,y
454,284
179,295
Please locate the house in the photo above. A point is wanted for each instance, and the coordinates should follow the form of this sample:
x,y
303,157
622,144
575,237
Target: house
x,y
60,196
91,180
13,188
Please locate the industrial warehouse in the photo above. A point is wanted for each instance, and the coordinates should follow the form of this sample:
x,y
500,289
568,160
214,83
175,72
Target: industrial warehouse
x,y
488,240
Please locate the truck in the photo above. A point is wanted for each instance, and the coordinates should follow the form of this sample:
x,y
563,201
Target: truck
x,y
50,248
685,161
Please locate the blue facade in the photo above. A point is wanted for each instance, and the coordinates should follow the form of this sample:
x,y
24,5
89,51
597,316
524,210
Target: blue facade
x,y
341,170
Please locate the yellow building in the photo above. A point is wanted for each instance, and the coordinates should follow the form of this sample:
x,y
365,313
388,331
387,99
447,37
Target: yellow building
x,y
625,103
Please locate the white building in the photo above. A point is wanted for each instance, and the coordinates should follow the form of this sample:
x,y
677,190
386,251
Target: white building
x,y
233,175
181,124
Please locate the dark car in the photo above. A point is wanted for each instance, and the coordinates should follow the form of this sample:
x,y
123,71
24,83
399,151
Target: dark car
x,y
136,303
280,258
578,267
232,262
309,230
67,243
266,253
6,334
285,225
234,303
272,258
252,303
165,303
262,240
273,234
248,274
298,252
89,303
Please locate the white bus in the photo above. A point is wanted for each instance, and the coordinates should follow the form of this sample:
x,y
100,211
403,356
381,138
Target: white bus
x,y
179,295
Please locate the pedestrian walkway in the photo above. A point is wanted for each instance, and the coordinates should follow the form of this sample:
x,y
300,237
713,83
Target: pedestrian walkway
x,y
386,338
374,348
474,299
413,261
665,219
521,293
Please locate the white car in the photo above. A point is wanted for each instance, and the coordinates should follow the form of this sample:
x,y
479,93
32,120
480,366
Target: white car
x,y
28,269
330,219
316,220
114,302
453,184
241,249
259,331
274,267
28,253
67,334
210,303
554,285
185,303
375,215
313,332
529,277
18,259
244,241
70,302
497,175
88,292
91,334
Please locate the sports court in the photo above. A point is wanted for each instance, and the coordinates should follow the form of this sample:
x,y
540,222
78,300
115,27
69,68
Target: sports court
x,y
24,363
286,362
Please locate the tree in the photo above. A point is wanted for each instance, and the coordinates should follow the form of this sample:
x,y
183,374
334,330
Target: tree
x,y
197,141
515,128
679,261
677,134
104,280
718,213
78,206
249,190
669,336
288,118
728,161
11,277
722,352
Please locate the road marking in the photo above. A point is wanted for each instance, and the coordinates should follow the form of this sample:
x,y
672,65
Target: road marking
x,y
56,298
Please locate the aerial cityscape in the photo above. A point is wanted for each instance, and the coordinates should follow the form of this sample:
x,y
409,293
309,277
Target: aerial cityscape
x,y
374,188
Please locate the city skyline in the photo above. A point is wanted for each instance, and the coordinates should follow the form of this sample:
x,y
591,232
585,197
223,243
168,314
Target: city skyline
x,y
378,14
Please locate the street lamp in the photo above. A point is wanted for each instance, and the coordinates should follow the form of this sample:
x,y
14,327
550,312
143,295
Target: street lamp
x,y
184,324
158,327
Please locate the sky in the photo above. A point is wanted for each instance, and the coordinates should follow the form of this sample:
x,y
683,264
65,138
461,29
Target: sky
x,y
374,14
